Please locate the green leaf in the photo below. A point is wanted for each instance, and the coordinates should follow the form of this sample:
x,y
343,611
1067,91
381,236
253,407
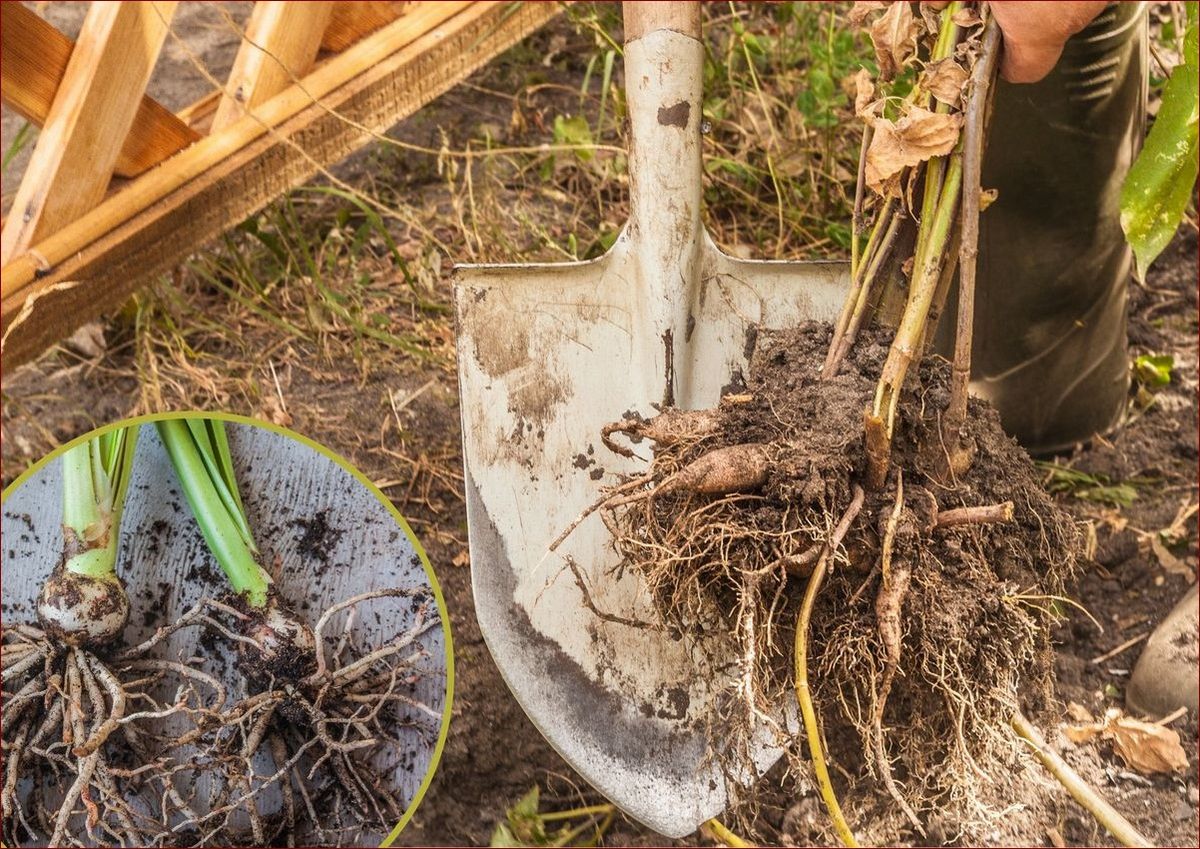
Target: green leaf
x,y
574,131
1160,183
502,836
527,807
1154,370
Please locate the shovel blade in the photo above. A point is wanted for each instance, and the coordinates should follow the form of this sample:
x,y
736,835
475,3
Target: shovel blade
x,y
547,356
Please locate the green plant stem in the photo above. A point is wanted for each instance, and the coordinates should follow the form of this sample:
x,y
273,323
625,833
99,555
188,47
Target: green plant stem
x,y
934,172
812,728
209,500
1105,814
926,270
95,478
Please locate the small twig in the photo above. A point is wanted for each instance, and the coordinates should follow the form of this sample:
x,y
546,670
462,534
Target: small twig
x,y
857,301
856,219
1111,653
973,134
812,728
981,514
1105,814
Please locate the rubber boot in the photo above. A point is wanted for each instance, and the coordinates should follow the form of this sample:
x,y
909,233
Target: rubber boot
x,y
1164,678
1050,350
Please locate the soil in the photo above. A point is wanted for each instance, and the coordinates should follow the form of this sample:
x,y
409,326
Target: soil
x,y
493,754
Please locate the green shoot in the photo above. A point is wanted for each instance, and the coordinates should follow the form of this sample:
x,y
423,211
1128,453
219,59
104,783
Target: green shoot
x,y
525,825
95,480
199,452
1153,370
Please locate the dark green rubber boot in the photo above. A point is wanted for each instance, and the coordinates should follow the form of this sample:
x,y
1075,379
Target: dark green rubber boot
x,y
1050,350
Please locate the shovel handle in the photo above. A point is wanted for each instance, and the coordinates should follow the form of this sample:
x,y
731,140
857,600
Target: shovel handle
x,y
664,69
643,17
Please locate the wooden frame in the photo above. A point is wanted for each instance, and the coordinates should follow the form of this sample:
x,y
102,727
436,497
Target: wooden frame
x,y
93,263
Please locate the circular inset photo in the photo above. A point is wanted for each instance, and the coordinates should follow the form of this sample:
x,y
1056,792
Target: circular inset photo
x,y
215,633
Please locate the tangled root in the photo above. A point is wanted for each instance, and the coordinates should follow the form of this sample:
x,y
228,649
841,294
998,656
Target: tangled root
x,y
68,714
323,748
196,767
933,622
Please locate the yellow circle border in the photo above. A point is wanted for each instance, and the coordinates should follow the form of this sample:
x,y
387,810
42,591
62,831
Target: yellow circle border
x,y
358,475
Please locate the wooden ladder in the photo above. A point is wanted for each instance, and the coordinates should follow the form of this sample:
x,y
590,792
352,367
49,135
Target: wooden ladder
x,y
119,188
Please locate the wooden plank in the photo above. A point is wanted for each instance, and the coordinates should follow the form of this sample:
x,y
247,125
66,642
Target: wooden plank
x,y
94,264
77,150
35,56
353,19
281,42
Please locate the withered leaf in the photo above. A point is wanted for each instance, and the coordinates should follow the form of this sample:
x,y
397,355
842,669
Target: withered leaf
x,y
862,9
894,34
864,92
931,16
1144,746
945,79
1170,563
918,136
967,16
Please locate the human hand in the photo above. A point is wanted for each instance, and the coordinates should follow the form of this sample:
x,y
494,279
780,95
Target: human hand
x,y
1034,33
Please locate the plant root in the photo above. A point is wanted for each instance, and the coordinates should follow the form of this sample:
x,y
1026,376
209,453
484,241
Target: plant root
x,y
948,632
331,735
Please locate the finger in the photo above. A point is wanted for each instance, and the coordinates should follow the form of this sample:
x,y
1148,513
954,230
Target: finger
x,y
1028,63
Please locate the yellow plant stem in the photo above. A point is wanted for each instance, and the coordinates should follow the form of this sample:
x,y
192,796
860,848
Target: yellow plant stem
x,y
1105,814
721,833
812,728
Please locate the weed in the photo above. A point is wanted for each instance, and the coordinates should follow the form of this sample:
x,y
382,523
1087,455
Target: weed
x,y
526,825
1098,487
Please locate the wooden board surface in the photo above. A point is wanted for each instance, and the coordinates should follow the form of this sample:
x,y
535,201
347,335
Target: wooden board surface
x,y
35,59
167,567
94,264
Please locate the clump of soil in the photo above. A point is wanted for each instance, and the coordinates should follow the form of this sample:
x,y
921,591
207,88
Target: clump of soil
x,y
915,674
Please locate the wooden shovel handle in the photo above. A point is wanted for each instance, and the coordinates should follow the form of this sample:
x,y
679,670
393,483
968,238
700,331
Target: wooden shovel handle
x,y
642,18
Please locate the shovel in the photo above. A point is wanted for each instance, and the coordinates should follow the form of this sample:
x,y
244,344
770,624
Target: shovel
x,y
550,353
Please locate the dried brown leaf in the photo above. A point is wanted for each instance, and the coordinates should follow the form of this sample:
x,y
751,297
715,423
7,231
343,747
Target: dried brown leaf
x,y
894,34
1144,746
862,10
967,16
932,18
864,92
946,80
918,136
1171,564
